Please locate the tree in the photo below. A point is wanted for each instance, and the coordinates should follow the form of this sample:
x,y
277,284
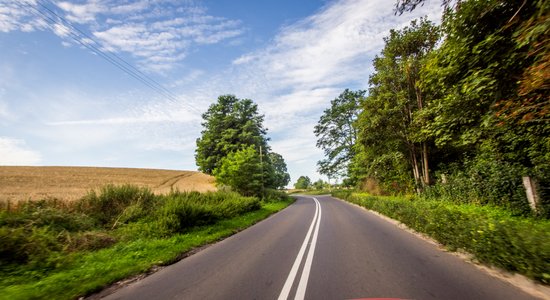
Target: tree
x,y
319,184
336,133
279,177
242,171
233,147
229,125
303,183
490,82
391,113
490,77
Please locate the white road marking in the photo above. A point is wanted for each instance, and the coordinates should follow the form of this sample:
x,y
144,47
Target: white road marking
x,y
305,272
301,291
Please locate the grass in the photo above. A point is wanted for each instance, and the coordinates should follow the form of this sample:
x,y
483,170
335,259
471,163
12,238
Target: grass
x,y
60,250
493,235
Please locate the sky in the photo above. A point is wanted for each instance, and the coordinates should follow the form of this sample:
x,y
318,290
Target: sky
x,y
118,83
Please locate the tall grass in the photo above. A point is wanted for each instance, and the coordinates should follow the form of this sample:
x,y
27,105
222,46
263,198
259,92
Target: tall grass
x,y
38,235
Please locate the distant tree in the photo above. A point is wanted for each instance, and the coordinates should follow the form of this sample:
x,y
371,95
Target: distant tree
x,y
229,125
242,171
279,177
336,133
302,183
319,184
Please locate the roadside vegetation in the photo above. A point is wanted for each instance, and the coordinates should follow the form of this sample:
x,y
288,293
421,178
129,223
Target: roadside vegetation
x,y
492,234
54,249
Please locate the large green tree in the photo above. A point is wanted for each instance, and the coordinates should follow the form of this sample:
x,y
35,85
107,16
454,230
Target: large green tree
x,y
234,148
337,133
229,125
490,82
303,182
490,79
391,113
242,170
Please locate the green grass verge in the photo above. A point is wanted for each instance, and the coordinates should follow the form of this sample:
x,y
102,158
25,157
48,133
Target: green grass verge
x,y
86,272
493,235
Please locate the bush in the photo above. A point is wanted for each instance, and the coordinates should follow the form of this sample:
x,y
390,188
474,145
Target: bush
x,y
483,181
271,195
181,211
112,200
493,235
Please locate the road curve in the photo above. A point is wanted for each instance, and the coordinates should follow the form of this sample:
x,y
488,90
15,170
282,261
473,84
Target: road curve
x,y
325,249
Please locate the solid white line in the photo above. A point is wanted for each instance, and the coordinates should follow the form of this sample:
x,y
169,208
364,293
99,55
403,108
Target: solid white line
x,y
290,279
301,291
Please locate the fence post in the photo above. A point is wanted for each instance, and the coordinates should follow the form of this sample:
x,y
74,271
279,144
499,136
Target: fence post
x,y
531,191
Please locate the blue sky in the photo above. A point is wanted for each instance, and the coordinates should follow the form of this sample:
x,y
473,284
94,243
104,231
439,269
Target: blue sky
x,y
62,104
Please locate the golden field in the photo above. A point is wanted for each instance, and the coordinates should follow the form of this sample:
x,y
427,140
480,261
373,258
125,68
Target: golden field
x,y
71,183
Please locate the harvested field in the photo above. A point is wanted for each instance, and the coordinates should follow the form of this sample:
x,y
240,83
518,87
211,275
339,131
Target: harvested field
x,y
71,183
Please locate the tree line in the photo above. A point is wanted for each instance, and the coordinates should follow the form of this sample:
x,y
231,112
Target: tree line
x,y
458,110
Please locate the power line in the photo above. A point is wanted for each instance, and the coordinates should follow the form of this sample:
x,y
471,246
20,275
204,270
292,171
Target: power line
x,y
53,19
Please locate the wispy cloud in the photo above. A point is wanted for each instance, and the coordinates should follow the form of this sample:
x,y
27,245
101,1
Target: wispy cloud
x,y
158,34
15,152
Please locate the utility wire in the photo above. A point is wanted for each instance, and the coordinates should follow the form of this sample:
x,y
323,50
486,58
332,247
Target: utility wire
x,y
118,59
53,19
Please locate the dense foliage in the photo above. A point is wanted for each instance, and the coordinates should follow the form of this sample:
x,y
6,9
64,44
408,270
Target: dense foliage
x,y
62,250
493,235
234,148
460,111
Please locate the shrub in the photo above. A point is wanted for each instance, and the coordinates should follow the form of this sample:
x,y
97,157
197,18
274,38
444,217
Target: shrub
x,y
483,181
183,210
493,235
271,195
112,200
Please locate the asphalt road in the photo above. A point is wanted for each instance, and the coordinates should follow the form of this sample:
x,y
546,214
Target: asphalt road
x,y
325,249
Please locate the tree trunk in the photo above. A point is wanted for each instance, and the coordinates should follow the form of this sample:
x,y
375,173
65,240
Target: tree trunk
x,y
425,163
416,171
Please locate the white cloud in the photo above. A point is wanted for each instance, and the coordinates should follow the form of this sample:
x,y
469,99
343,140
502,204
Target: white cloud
x,y
17,15
159,34
160,43
83,13
15,152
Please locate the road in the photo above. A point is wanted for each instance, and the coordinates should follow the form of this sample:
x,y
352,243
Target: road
x,y
321,248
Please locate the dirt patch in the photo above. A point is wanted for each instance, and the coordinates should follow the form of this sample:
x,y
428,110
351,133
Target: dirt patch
x,y
71,183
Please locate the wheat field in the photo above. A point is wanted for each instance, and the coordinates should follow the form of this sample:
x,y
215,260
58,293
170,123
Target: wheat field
x,y
71,183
